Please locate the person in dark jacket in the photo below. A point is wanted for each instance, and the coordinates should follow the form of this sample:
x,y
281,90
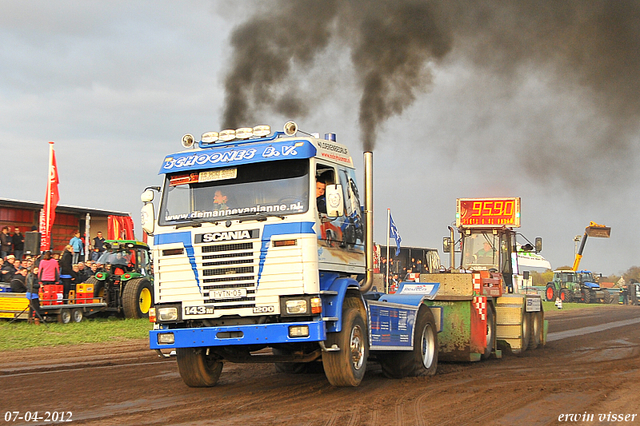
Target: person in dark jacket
x,y
33,288
18,284
8,269
18,243
66,270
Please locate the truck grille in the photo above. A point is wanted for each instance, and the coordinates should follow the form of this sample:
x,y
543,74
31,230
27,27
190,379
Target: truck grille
x,y
231,267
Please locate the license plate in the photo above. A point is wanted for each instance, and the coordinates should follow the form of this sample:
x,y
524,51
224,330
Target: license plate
x,y
234,293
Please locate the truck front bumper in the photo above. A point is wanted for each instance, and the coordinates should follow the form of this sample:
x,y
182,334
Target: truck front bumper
x,y
261,334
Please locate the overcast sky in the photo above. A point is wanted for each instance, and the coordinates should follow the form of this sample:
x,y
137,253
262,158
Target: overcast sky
x,y
116,84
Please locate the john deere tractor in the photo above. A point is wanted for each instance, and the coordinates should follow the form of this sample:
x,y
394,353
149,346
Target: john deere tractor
x,y
125,281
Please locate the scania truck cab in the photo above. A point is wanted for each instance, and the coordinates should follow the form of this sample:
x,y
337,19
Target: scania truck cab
x,y
250,254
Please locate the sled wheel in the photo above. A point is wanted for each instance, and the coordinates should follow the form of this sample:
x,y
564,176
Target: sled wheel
x,y
526,330
536,330
491,332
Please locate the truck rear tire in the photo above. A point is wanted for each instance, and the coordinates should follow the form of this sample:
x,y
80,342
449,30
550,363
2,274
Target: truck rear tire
x,y
423,359
137,298
198,369
347,366
550,293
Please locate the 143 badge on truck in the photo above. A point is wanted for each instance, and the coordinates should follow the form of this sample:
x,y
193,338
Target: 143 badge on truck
x,y
197,310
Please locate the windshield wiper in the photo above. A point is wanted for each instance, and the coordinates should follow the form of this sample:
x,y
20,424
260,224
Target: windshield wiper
x,y
187,224
260,217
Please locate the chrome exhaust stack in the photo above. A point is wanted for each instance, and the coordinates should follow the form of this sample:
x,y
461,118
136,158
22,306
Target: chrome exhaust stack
x,y
368,217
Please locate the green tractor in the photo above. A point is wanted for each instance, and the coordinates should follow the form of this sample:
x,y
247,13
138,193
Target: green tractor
x,y
572,286
125,282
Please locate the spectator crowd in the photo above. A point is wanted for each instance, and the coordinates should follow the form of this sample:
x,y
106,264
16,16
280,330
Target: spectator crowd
x,y
25,273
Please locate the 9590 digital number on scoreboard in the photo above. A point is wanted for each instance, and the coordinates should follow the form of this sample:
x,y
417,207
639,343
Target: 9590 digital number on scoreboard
x,y
488,212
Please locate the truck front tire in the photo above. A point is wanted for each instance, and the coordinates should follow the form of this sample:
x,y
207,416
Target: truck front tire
x,y
347,366
198,369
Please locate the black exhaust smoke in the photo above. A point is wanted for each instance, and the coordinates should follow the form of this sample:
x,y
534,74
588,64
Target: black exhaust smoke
x,y
590,48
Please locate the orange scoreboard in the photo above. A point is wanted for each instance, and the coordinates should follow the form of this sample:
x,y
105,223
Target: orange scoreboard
x,y
488,212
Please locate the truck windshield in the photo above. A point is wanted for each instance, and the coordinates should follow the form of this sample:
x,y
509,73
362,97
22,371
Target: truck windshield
x,y
481,251
261,189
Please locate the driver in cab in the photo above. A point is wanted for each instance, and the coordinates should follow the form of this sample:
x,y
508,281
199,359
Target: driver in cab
x,y
485,254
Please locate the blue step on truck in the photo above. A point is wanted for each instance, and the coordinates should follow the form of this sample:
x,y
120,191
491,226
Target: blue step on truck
x,y
263,253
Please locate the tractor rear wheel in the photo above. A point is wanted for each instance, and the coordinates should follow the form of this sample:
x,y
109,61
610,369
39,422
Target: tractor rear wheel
x,y
565,296
550,293
137,298
198,369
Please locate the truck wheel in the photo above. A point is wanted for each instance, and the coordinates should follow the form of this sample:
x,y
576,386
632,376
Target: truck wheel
x,y
198,369
423,359
137,298
536,330
586,296
289,367
346,367
64,316
491,332
565,296
607,297
77,315
550,293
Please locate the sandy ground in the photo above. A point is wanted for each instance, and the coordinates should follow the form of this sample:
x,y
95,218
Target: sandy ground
x,y
590,365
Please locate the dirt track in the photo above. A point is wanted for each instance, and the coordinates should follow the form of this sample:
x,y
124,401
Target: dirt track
x,y
597,373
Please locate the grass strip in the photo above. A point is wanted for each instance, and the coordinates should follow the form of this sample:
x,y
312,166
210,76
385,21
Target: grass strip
x,y
21,335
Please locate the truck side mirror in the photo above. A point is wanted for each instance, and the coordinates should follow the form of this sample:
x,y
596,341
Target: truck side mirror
x,y
335,201
446,244
147,215
538,244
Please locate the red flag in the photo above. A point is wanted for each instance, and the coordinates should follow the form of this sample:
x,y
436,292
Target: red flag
x,y
50,202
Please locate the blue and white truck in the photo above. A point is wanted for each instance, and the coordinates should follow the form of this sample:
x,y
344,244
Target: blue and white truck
x,y
253,263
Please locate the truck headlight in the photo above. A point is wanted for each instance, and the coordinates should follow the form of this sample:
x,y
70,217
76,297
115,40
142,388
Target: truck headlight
x,y
296,307
299,331
166,338
167,314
